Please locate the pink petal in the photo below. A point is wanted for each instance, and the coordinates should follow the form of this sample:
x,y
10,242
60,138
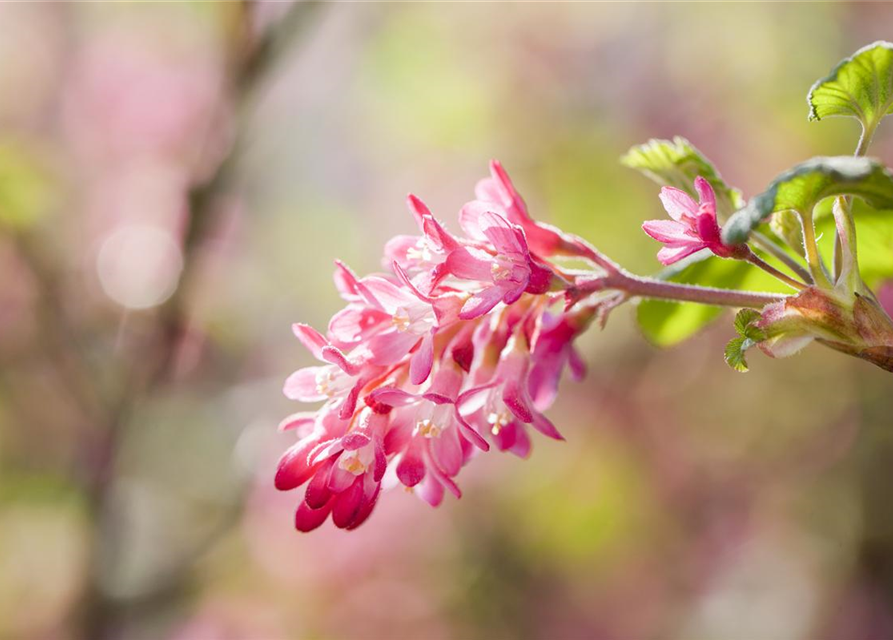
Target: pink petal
x,y
294,468
411,469
481,303
504,236
353,324
390,347
706,194
297,420
514,398
470,264
308,519
669,255
418,208
365,510
347,504
542,424
422,360
394,397
471,433
387,294
396,248
345,281
301,385
310,338
355,440
340,479
447,451
678,203
430,490
336,356
470,218
318,493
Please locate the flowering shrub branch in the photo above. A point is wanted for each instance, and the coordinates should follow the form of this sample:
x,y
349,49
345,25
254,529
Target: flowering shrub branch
x,y
459,345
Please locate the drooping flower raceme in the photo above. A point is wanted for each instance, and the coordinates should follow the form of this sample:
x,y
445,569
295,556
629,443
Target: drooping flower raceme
x,y
459,346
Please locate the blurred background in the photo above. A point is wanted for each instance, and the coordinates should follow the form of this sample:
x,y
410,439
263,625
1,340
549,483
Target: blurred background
x,y
176,180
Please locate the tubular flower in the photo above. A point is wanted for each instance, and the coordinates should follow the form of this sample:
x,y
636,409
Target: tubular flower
x,y
459,346
693,226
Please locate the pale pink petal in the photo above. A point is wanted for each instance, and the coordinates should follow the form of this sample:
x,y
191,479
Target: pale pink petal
x,y
302,385
470,218
430,490
504,236
669,255
481,302
470,264
353,324
394,397
336,357
678,203
340,479
422,360
667,231
312,339
447,451
390,347
396,248
297,421
387,294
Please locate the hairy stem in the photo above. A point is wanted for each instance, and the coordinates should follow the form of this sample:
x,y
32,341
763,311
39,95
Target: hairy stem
x,y
781,255
651,288
757,261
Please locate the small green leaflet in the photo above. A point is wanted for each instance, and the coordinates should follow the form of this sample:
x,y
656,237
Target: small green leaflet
x,y
748,336
860,86
676,163
804,186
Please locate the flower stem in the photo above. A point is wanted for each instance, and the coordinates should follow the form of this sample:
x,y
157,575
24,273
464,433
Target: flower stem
x,y
659,289
777,252
757,261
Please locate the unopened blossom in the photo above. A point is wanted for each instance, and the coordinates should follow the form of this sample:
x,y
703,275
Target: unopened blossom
x,y
459,345
693,225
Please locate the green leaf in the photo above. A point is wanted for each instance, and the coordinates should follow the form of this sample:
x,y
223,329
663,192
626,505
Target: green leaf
x,y
804,186
734,353
743,319
860,86
676,163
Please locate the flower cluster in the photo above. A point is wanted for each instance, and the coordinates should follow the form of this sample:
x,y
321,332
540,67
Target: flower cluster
x,y
457,348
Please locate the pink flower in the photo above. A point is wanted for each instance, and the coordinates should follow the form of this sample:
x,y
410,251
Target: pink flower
x,y
507,268
545,240
693,226
503,406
